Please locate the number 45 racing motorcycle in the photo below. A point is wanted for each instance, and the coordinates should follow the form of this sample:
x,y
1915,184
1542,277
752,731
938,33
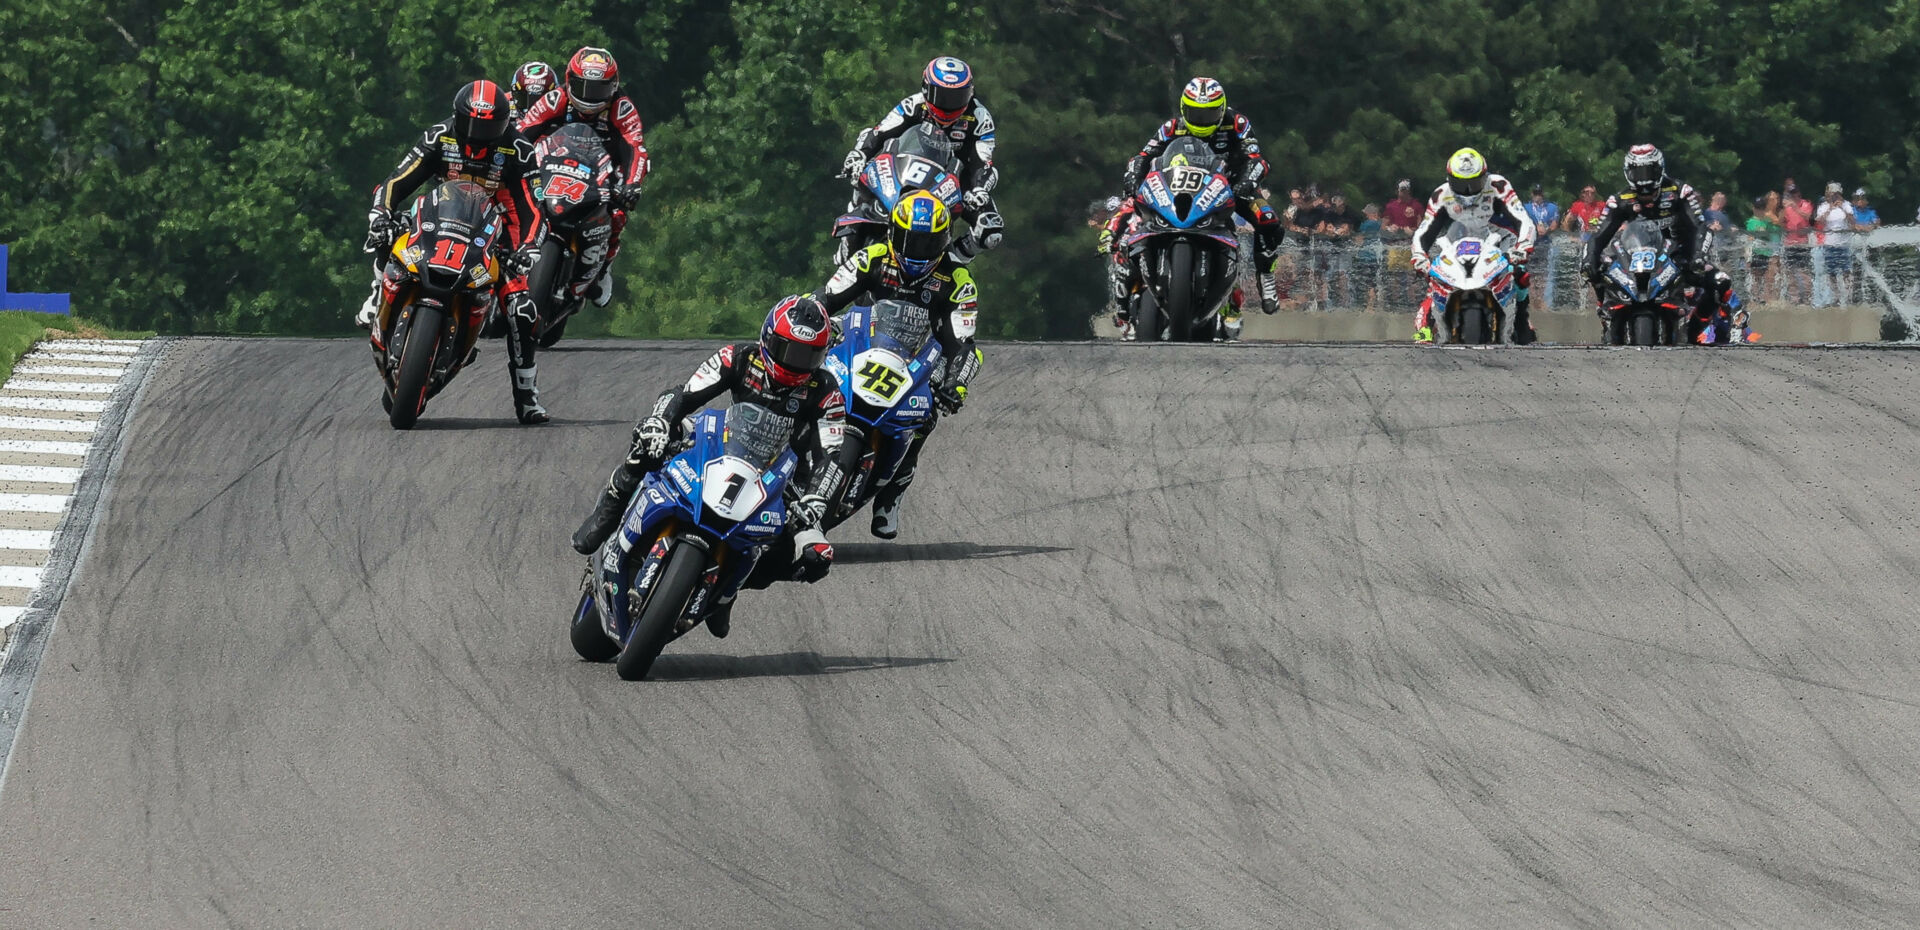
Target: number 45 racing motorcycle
x,y
692,534
436,294
1186,247
1470,282
884,360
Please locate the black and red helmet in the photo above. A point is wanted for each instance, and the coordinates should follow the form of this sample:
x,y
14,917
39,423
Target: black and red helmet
x,y
480,114
794,340
592,80
531,81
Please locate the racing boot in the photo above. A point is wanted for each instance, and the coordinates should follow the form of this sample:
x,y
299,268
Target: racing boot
x,y
608,509
886,511
602,291
720,618
1423,323
369,311
526,397
1523,333
1269,287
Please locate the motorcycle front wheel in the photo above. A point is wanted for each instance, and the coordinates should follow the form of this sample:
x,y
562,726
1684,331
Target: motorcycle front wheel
x,y
424,328
665,603
589,638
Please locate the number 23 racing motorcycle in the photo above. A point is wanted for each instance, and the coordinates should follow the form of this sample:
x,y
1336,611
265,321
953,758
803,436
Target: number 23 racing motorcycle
x,y
435,295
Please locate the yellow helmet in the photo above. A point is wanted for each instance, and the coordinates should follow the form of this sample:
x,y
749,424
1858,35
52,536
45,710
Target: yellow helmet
x,y
1467,172
1202,105
919,234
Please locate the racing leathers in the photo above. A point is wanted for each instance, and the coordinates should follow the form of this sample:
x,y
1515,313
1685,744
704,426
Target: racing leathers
x,y
1674,207
819,415
1233,140
1497,204
619,127
973,141
951,302
504,170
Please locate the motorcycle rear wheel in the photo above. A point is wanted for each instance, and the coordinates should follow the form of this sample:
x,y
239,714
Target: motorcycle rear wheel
x,y
665,603
416,367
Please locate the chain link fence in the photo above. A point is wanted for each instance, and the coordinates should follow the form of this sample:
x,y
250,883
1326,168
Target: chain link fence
x,y
1878,268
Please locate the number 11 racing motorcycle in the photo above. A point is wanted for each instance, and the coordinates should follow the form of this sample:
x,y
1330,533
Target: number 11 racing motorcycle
x,y
1186,247
575,192
435,295
692,535
884,360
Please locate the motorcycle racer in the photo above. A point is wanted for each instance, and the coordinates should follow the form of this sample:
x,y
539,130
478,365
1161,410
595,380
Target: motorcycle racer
x,y
1477,199
591,94
1204,114
1674,206
782,373
946,100
914,266
476,144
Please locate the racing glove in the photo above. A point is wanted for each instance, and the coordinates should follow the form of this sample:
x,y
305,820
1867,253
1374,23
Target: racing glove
x,y
814,556
809,510
626,195
852,164
1106,241
978,198
950,398
381,226
1421,262
1246,190
520,261
650,438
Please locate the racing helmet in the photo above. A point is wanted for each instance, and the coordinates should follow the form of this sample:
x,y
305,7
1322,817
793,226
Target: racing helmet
x,y
793,341
592,80
1645,167
1202,105
948,86
531,81
480,116
918,235
1467,172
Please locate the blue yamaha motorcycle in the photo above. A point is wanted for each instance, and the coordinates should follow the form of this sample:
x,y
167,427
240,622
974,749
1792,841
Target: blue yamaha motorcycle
x,y
884,361
693,532
1185,243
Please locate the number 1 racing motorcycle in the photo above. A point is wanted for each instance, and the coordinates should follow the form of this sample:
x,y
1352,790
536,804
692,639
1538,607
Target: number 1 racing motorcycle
x,y
692,535
921,159
1187,250
1471,284
436,294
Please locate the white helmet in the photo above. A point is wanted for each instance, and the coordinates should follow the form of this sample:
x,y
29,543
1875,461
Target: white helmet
x,y
1645,166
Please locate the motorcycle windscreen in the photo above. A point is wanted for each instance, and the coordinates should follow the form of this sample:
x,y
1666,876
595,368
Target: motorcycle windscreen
x,y
736,485
453,227
900,326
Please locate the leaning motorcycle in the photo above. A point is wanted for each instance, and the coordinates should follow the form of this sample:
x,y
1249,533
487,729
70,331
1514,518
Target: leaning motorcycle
x,y
1188,253
922,159
1471,284
436,293
1641,304
693,532
884,360
575,194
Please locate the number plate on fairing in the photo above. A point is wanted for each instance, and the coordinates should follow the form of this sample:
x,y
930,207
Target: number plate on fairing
x,y
879,376
730,487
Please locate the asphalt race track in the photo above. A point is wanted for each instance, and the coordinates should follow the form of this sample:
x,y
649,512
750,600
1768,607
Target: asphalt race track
x,y
1176,637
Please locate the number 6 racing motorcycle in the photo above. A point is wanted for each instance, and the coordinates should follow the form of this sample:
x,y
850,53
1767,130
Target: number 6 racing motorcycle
x,y
884,361
1186,248
575,192
692,534
921,160
1472,288
435,296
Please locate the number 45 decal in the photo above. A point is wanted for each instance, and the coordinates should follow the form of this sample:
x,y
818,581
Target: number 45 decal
x,y
881,379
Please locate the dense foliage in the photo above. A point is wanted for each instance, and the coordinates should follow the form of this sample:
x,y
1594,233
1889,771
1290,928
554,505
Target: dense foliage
x,y
192,166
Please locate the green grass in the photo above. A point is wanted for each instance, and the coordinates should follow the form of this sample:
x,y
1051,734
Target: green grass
x,y
20,329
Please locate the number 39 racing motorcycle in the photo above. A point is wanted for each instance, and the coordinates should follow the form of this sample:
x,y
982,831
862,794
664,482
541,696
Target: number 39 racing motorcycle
x,y
920,160
693,532
1471,284
884,361
437,292
1186,247
575,192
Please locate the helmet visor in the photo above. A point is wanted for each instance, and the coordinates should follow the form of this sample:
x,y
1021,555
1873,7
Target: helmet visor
x,y
796,356
1202,117
1641,175
1467,187
590,91
949,100
919,247
474,130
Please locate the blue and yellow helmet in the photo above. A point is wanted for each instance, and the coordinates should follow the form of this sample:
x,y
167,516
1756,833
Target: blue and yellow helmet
x,y
919,234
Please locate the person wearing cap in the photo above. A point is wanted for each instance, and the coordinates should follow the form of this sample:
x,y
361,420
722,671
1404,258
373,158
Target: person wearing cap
x,y
1835,219
1865,217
